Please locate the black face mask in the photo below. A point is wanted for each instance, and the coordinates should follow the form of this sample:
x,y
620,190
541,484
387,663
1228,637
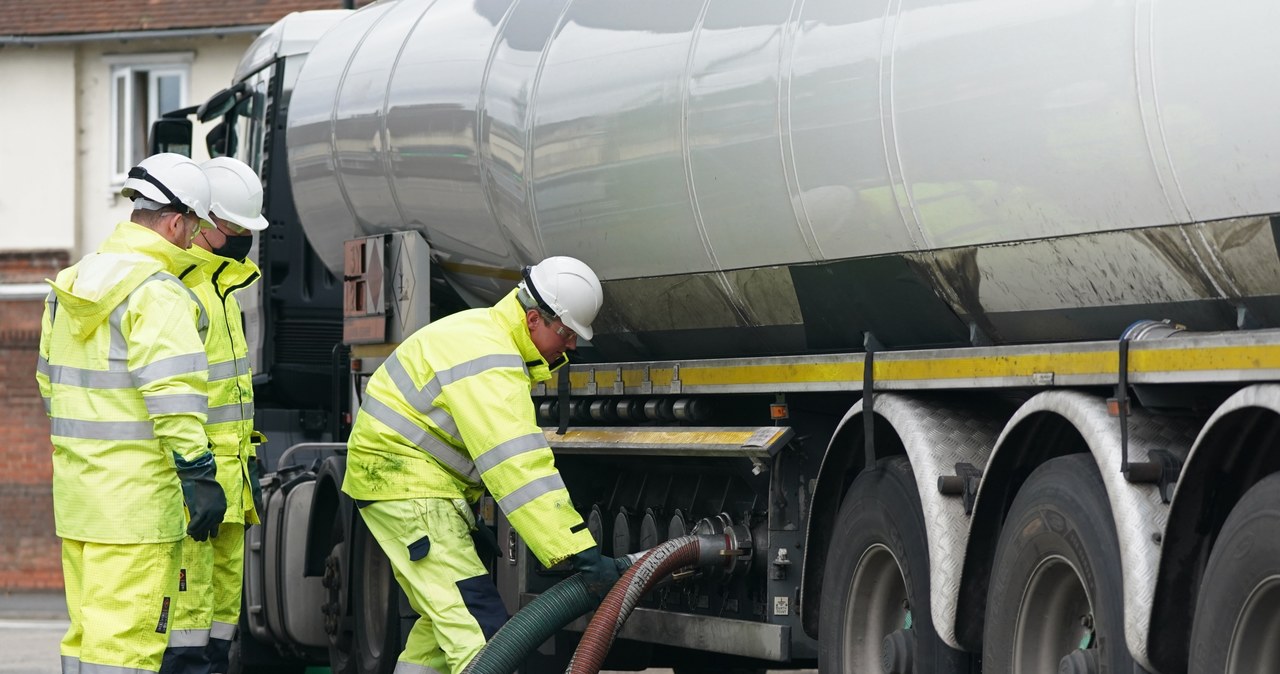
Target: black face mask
x,y
236,247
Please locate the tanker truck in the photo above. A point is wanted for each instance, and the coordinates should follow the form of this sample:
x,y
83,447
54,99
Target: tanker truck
x,y
960,319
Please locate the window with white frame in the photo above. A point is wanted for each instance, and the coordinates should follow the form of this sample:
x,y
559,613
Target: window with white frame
x,y
143,87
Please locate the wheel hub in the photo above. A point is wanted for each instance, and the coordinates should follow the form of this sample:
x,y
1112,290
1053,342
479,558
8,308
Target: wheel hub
x,y
896,652
1080,662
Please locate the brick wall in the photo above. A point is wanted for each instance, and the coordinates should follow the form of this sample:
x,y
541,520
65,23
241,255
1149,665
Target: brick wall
x,y
30,554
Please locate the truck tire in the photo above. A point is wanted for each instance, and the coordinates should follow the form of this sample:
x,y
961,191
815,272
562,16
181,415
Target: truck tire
x,y
1237,613
1056,591
875,590
366,626
375,604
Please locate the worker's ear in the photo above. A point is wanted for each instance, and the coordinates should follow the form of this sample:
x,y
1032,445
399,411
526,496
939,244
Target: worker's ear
x,y
531,318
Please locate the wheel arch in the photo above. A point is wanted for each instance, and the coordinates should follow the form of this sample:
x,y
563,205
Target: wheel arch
x,y
1222,465
934,432
328,502
1060,423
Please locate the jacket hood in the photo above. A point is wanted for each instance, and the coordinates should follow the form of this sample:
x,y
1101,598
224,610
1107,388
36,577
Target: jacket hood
x,y
89,290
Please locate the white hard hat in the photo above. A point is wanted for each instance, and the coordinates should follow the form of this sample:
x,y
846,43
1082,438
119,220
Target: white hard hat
x,y
237,192
170,179
566,288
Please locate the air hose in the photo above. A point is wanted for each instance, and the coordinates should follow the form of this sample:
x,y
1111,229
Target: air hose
x,y
653,567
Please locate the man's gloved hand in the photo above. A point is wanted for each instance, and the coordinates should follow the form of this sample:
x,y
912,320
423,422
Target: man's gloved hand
x,y
206,503
255,485
599,571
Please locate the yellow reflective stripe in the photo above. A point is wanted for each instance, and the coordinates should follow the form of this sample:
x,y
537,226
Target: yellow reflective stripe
x,y
188,638
169,367
228,369
180,403
101,379
420,438
101,430
513,447
232,412
529,492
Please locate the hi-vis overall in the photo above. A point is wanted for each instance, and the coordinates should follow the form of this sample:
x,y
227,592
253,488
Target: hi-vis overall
x,y
447,415
122,371
212,572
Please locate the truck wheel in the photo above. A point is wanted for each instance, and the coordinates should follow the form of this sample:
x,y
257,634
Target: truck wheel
x,y
1056,602
1238,612
375,602
338,624
874,614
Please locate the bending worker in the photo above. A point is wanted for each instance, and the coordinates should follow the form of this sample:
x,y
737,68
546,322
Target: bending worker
x,y
208,604
449,414
122,371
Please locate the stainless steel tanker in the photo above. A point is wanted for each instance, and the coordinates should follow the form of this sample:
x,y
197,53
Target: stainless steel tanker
x,y
992,189
781,176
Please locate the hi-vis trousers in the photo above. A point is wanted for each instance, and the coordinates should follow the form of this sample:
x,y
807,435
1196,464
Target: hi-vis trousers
x,y
120,601
208,603
429,544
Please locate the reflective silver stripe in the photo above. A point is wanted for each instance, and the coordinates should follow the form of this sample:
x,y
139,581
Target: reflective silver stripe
x,y
481,364
177,404
403,667
70,665
118,352
188,638
232,412
421,398
168,367
91,668
101,430
75,376
222,631
543,485
42,365
513,447
228,369
420,438
48,404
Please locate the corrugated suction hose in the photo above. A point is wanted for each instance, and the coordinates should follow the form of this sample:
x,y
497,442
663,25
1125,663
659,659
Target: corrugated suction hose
x,y
655,565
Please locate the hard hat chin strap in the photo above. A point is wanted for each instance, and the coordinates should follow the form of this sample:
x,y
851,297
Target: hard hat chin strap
x,y
533,290
141,174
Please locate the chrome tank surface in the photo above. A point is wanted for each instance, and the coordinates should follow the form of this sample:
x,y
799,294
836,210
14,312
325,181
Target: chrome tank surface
x,y
765,176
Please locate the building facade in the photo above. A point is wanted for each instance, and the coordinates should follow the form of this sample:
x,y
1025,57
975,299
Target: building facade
x,y
91,77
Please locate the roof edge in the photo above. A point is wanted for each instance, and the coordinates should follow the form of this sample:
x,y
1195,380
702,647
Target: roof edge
x,y
72,38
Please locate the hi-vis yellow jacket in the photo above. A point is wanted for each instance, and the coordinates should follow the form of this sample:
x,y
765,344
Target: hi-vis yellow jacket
x,y
450,410
122,372
230,423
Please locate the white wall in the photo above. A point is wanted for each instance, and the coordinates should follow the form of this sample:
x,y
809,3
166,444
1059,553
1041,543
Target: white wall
x,y
38,148
213,63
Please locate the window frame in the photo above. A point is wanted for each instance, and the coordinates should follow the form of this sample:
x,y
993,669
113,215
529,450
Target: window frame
x,y
122,72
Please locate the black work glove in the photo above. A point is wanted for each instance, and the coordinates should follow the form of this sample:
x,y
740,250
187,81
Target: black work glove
x,y
255,485
599,571
206,502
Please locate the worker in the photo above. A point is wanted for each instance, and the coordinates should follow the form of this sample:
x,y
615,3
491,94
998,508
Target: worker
x,y
208,604
123,375
448,415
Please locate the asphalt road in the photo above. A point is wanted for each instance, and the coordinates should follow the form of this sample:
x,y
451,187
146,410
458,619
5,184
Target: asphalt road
x,y
32,625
